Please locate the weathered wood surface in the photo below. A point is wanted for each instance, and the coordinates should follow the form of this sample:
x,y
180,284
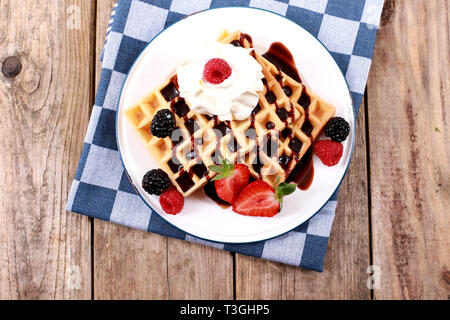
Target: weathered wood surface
x,y
393,205
348,255
44,252
408,98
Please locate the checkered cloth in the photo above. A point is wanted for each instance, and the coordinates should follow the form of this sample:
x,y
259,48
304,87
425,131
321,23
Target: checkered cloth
x,y
101,188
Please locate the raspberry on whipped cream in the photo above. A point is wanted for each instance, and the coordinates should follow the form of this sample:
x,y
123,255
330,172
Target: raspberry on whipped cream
x,y
221,80
216,71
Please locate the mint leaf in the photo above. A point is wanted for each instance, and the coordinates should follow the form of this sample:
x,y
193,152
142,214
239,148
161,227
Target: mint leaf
x,y
216,168
285,189
224,170
218,177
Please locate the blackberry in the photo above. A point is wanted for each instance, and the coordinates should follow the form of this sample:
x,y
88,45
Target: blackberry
x,y
156,182
337,129
163,123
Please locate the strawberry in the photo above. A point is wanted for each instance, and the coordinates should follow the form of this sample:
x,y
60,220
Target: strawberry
x,y
259,199
230,181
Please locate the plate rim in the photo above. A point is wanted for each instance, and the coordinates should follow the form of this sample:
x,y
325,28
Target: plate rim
x,y
162,217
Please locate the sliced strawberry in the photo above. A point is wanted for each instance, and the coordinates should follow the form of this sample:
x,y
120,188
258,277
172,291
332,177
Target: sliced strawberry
x,y
259,199
230,181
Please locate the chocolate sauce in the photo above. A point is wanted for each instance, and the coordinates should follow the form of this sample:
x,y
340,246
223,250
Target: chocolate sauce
x,y
192,126
176,137
170,92
296,145
283,114
223,128
256,110
191,155
279,77
180,108
304,100
303,173
210,191
245,37
284,161
257,166
185,181
271,97
287,90
270,125
236,43
270,148
175,166
286,133
281,57
233,145
307,128
200,170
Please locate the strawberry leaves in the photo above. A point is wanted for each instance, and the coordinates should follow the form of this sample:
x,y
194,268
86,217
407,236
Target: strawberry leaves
x,y
231,184
224,170
283,189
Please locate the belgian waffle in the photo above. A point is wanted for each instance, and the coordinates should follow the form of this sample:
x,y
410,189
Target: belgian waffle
x,y
302,116
271,142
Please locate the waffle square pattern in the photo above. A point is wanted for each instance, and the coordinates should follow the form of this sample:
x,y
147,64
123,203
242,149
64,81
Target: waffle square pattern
x,y
271,142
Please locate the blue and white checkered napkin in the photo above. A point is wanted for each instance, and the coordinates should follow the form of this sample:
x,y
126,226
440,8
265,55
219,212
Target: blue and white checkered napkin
x,y
101,188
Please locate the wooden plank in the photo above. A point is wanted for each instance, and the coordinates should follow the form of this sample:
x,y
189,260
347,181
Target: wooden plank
x,y
348,254
408,94
199,272
44,251
130,264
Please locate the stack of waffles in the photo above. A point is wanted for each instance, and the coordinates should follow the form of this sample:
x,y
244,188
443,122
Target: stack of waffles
x,y
271,142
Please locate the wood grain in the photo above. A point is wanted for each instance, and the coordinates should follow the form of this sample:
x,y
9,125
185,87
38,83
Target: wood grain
x,y
127,263
348,254
130,264
44,251
408,97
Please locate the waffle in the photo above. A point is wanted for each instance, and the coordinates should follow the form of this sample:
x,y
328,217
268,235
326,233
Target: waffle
x,y
302,113
271,142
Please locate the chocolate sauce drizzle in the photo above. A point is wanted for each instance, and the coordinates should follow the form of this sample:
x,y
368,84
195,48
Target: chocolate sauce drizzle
x,y
302,174
282,58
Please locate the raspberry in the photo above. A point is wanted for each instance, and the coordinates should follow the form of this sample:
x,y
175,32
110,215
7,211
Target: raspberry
x,y
329,152
216,71
172,202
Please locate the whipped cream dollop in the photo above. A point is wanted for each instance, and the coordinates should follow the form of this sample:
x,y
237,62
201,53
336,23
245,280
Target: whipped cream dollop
x,y
234,98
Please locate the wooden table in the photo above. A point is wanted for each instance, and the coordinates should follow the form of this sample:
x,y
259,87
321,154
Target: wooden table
x,y
393,211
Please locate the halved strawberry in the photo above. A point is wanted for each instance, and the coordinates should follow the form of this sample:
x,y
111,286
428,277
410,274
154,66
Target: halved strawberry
x,y
259,199
230,181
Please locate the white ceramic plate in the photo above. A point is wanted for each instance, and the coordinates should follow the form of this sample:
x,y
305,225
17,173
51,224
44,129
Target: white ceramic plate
x,y
202,217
